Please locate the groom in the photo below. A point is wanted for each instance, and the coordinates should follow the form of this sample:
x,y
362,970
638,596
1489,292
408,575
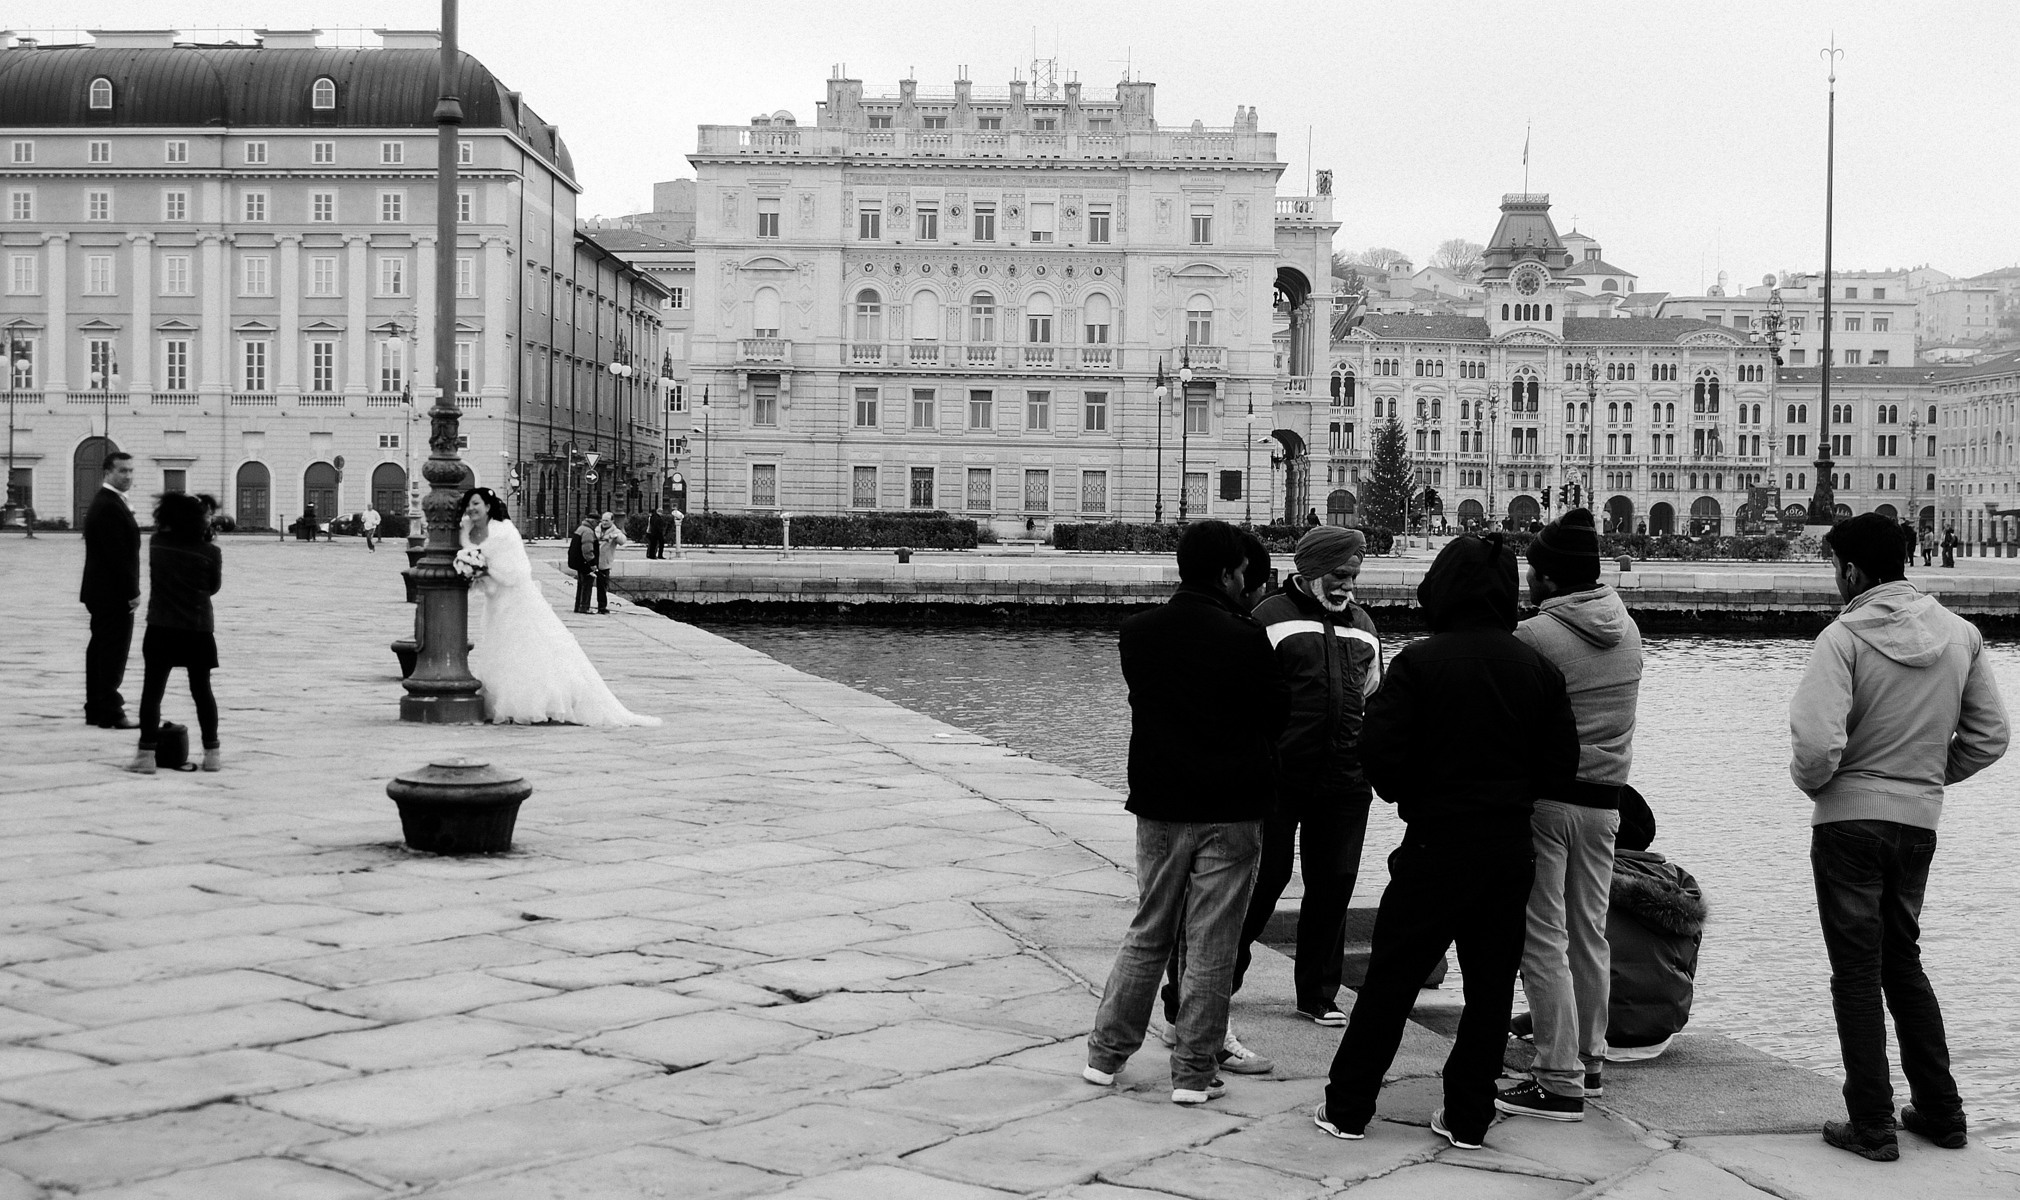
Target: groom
x,y
110,593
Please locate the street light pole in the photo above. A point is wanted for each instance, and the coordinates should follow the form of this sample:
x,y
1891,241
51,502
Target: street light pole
x,y
14,367
1592,431
1184,429
1823,502
1158,396
1773,332
704,450
1248,465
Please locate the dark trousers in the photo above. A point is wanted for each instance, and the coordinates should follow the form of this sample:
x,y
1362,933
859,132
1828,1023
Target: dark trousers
x,y
1478,897
1870,878
655,546
105,662
603,590
585,578
155,682
1328,849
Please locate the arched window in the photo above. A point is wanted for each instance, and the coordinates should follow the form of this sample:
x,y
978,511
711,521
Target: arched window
x,y
1570,413
101,92
1199,321
1504,312
1465,410
869,316
1609,286
324,94
1038,318
1612,414
1437,411
1435,439
1932,416
1627,412
925,320
1802,481
1098,314
1548,312
982,317
1788,479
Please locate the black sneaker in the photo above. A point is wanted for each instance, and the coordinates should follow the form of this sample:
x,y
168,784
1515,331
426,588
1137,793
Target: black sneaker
x,y
1947,1134
1531,1100
1320,1119
1522,1026
1595,1084
1876,1142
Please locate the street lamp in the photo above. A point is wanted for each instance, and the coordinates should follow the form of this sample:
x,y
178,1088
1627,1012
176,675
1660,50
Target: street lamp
x,y
1157,512
1773,331
1591,430
1248,466
704,450
1914,469
17,366
1823,502
1184,429
105,383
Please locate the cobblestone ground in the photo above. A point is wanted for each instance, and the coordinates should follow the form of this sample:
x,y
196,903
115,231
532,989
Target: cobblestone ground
x,y
798,940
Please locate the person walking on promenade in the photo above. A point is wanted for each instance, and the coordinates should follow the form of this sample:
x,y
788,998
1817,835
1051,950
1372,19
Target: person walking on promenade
x,y
1585,631
110,593
1463,871
1928,545
1897,703
582,561
370,524
1950,543
1206,704
655,530
608,538
184,570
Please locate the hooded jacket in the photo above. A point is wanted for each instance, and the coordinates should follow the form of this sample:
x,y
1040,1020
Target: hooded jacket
x,y
1898,702
1331,661
1470,725
1592,639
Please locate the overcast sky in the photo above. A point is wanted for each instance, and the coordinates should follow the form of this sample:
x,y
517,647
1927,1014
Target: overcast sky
x,y
1687,137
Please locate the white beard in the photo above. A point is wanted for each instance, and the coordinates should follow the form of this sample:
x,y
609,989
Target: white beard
x,y
1325,602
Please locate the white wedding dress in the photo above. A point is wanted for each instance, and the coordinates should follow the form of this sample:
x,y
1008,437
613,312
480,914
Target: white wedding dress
x,y
530,665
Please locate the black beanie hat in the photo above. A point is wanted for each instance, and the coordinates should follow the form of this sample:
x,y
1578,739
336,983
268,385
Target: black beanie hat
x,y
1568,550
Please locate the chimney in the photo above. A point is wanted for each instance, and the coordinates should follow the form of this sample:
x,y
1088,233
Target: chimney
x,y
287,39
409,39
127,39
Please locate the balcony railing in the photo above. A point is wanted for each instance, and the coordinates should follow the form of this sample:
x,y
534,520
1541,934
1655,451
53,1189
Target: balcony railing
x,y
923,355
469,400
1097,358
255,399
386,400
980,356
866,353
1213,358
95,396
1294,385
1305,208
174,398
763,350
1038,356
1223,144
320,400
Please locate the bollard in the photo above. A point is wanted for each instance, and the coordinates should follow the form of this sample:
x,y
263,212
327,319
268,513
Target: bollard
x,y
904,554
679,551
785,535
1625,563
459,806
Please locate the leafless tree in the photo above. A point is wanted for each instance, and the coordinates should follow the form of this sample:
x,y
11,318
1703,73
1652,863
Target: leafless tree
x,y
1459,256
1382,258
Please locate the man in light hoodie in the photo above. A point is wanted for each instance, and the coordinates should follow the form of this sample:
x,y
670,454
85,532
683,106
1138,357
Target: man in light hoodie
x,y
1585,631
1897,703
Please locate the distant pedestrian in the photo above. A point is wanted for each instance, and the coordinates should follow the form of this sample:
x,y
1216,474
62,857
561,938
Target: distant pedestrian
x,y
1312,518
28,519
1950,543
184,570
1464,869
110,592
655,530
1897,703
1928,546
371,528
582,560
1585,631
608,538
1206,704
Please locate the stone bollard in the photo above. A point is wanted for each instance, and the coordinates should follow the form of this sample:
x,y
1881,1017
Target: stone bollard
x,y
1625,563
785,535
459,806
679,551
904,554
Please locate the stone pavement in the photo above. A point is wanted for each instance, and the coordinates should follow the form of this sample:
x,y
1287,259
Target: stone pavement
x,y
797,941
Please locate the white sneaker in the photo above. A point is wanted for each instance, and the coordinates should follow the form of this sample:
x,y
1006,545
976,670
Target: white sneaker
x,y
1098,1078
1212,1091
1240,1059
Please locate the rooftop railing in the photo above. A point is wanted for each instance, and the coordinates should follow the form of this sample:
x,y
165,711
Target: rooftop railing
x,y
1202,145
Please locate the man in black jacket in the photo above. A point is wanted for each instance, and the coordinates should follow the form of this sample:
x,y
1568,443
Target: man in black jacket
x,y
582,560
110,592
1464,870
1205,705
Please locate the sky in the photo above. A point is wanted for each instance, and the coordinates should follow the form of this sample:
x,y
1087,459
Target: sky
x,y
1687,137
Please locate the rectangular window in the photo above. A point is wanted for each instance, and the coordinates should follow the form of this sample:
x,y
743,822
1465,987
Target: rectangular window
x,y
98,354
989,123
1045,124
764,404
466,368
1879,293
175,205
1851,293
1798,357
866,408
21,275
935,122
981,481
322,366
1195,493
1230,485
323,275
676,297
466,207
392,154
97,205
1038,327
764,485
466,276
392,365
1044,222
24,152
676,398
1098,220
768,217
175,275
1882,324
254,361
1096,416
466,153
392,208
1202,224
255,206
175,150
1038,410
985,222
1878,358
1094,491
254,278
21,204
322,154
392,275
322,207
1197,404
101,152
923,404
869,223
880,121
1853,324
921,493
929,222
981,409
863,487
174,479
1199,327
175,365
1037,491
255,154
98,275
1851,358
24,363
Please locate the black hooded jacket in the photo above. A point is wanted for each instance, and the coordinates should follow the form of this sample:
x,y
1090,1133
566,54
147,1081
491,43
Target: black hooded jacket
x,y
1470,726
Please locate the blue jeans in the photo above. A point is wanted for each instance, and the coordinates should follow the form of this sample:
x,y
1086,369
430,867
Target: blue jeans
x,y
1870,879
1193,880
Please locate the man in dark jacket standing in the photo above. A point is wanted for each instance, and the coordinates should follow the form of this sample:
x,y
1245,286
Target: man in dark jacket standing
x,y
582,561
110,593
1205,705
1466,864
655,530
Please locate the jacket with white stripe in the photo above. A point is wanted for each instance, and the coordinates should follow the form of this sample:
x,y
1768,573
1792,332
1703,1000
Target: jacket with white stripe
x,y
1332,663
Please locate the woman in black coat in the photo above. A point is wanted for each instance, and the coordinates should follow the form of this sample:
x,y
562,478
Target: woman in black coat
x,y
185,569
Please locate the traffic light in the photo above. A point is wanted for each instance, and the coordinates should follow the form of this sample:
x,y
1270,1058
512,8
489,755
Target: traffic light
x,y
1563,494
1577,494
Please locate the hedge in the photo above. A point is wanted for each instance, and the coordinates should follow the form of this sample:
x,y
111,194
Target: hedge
x,y
921,531
1163,539
1677,548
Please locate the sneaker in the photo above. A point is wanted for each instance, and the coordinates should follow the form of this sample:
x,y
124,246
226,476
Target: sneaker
x,y
1438,1127
1947,1134
1595,1084
1320,1119
1098,1078
1215,1089
1241,1060
1531,1100
1522,1026
1328,1016
1872,1141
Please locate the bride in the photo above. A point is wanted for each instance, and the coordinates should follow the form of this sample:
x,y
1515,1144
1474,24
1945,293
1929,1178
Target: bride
x,y
530,665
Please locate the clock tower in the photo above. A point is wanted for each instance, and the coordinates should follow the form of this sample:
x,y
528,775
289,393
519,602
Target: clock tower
x,y
1525,270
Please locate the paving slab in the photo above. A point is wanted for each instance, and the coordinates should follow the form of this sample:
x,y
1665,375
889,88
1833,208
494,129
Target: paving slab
x,y
1054,1149
248,1179
89,1156
1679,1175
814,1138
1798,1167
418,1095
165,1084
537,1134
633,1173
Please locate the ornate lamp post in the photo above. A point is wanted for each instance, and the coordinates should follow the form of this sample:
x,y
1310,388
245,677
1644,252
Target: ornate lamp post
x,y
16,367
704,450
1773,332
105,383
1248,465
1158,397
1185,428
1592,430
440,689
1823,502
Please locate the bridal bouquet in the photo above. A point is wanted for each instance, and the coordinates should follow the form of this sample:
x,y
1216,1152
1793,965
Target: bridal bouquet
x,y
470,562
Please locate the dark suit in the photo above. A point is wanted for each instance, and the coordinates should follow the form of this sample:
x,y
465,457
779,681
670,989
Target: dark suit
x,y
655,535
582,560
111,584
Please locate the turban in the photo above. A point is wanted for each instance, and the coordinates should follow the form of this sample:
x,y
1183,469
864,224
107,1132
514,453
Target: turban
x,y
1327,548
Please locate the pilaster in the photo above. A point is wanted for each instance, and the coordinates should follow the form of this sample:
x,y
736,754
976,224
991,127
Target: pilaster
x,y
140,346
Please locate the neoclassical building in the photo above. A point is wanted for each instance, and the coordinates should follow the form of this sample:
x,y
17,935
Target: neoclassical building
x,y
967,298
1977,418
220,258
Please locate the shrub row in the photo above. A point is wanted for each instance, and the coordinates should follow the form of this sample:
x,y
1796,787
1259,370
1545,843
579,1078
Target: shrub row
x,y
1163,539
1677,548
925,531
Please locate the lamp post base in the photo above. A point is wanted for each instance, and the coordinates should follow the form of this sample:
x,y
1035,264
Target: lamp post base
x,y
442,710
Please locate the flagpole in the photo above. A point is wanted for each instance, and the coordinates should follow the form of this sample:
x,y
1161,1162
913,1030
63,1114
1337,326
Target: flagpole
x,y
1525,156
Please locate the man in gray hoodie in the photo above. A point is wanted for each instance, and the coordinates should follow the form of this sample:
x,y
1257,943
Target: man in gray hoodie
x,y
1585,631
1898,702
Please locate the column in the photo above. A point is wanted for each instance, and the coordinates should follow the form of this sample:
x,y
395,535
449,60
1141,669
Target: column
x,y
358,377
140,344
55,365
288,338
495,281
213,366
